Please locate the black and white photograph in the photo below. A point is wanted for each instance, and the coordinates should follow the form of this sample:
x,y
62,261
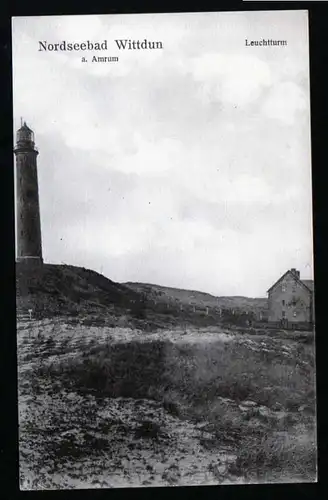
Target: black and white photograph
x,y
164,250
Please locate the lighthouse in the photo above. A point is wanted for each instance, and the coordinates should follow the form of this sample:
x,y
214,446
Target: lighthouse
x,y
28,226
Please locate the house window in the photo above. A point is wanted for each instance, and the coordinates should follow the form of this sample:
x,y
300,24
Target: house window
x,y
294,314
283,288
283,302
294,289
283,314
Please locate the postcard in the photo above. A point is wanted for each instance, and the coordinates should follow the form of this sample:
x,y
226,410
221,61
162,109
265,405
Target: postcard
x,y
164,250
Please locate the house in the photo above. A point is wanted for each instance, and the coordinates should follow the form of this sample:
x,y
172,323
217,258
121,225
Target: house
x,y
290,301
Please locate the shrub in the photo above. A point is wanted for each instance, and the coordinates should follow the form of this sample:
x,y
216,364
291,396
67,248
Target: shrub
x,y
206,371
127,370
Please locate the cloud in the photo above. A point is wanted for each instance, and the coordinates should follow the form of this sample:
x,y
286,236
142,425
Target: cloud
x,y
285,101
234,79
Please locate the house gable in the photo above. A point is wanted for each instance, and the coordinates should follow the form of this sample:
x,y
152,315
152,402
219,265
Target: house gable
x,y
295,277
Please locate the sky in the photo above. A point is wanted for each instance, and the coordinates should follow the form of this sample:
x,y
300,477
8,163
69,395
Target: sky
x,y
188,166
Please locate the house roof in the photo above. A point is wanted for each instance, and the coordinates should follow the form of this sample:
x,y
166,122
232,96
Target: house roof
x,y
309,284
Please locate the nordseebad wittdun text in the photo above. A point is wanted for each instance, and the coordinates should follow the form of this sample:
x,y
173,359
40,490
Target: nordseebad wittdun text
x,y
125,44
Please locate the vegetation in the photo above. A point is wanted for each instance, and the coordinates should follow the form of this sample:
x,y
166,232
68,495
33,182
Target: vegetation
x,y
208,382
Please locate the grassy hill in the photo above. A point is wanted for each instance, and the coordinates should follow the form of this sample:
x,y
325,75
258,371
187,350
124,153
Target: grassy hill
x,y
168,295
68,290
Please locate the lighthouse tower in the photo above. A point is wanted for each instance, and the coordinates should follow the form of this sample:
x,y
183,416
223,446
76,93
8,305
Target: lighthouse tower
x,y
28,226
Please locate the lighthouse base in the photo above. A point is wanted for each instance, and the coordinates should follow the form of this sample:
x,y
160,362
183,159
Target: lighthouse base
x,y
38,261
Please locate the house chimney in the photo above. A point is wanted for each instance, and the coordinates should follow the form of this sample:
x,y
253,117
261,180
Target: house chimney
x,y
294,271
